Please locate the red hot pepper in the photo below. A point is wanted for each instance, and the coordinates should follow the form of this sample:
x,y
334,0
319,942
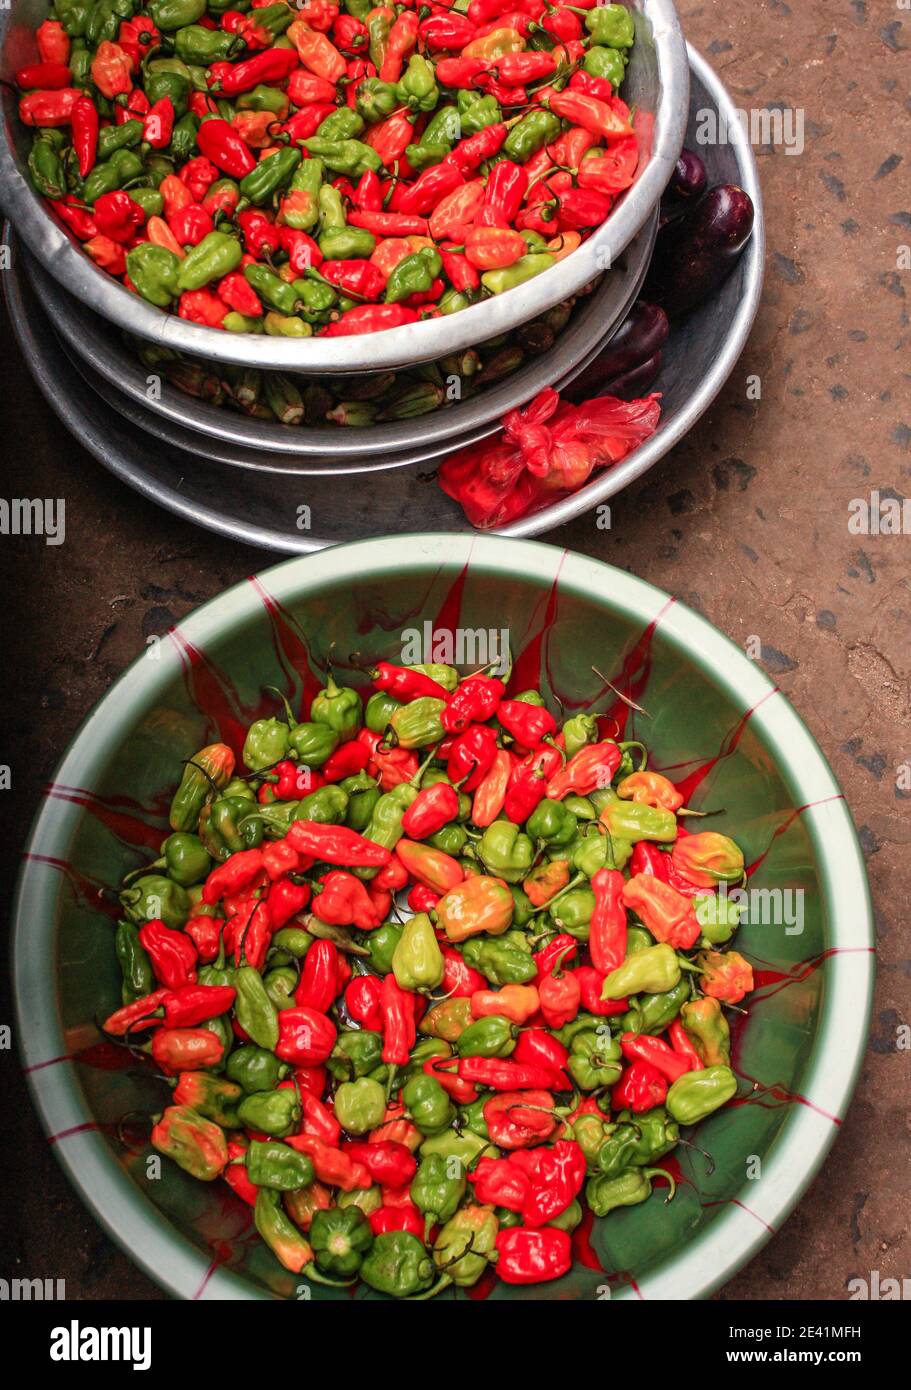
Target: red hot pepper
x,y
141,1012
399,1030
333,844
236,874
272,65
433,808
406,685
305,1037
318,1119
541,1048
560,998
555,1177
186,1049
85,125
474,700
608,925
640,1088
499,1182
172,954
318,984
362,1000
205,933
459,979
159,123
388,1163
470,755
189,1005
591,768
220,142
533,1256
643,1048
502,1074
345,902
560,949
591,982
528,724
349,758
427,190
404,1218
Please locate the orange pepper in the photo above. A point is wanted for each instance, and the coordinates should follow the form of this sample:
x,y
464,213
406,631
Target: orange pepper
x,y
491,248
563,245
515,1002
667,914
479,904
175,193
397,1132
316,52
546,880
651,789
494,44
160,234
387,254
108,254
253,127
491,793
112,70
455,213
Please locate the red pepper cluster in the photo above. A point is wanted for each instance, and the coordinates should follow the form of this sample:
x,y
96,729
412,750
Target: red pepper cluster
x,y
480,209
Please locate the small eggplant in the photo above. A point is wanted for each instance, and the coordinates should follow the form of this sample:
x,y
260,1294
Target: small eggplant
x,y
638,339
629,386
687,185
694,255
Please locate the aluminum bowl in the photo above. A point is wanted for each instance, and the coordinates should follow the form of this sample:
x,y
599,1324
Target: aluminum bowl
x,y
656,86
797,1050
113,369
699,357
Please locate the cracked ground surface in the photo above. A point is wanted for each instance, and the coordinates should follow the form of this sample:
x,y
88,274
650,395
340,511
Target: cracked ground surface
x,y
747,521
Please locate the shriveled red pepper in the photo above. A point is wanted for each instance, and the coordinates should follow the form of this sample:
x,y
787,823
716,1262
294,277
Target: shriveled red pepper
x,y
236,874
317,1118
503,1074
555,1179
519,1119
188,1005
141,1013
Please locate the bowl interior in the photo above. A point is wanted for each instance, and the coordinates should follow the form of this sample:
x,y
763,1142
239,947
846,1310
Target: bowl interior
x,y
715,723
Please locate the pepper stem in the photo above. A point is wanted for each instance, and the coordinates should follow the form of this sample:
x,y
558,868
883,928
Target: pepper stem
x,y
438,1287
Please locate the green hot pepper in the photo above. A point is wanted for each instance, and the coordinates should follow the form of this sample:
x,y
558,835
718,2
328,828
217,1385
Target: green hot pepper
x,y
255,1068
397,1263
153,898
267,742
653,971
708,1030
417,725
340,1237
428,1104
697,1093
275,1113
338,706
651,1013
273,1164
436,1191
465,1244
417,961
270,175
360,1105
595,1060
413,275
492,1036
611,25
628,1189
355,1053
135,966
505,961
215,256
529,135
506,852
255,1011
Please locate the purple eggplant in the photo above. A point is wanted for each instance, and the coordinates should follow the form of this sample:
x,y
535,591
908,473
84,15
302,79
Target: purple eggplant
x,y
689,179
629,386
638,339
695,254
686,186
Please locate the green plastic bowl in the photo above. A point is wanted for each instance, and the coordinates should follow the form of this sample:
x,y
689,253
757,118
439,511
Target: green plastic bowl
x,y
715,719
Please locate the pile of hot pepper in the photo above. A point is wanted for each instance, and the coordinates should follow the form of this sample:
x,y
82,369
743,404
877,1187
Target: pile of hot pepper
x,y
426,975
329,168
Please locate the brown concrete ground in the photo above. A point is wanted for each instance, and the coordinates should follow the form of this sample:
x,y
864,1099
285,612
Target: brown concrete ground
x,y
747,521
